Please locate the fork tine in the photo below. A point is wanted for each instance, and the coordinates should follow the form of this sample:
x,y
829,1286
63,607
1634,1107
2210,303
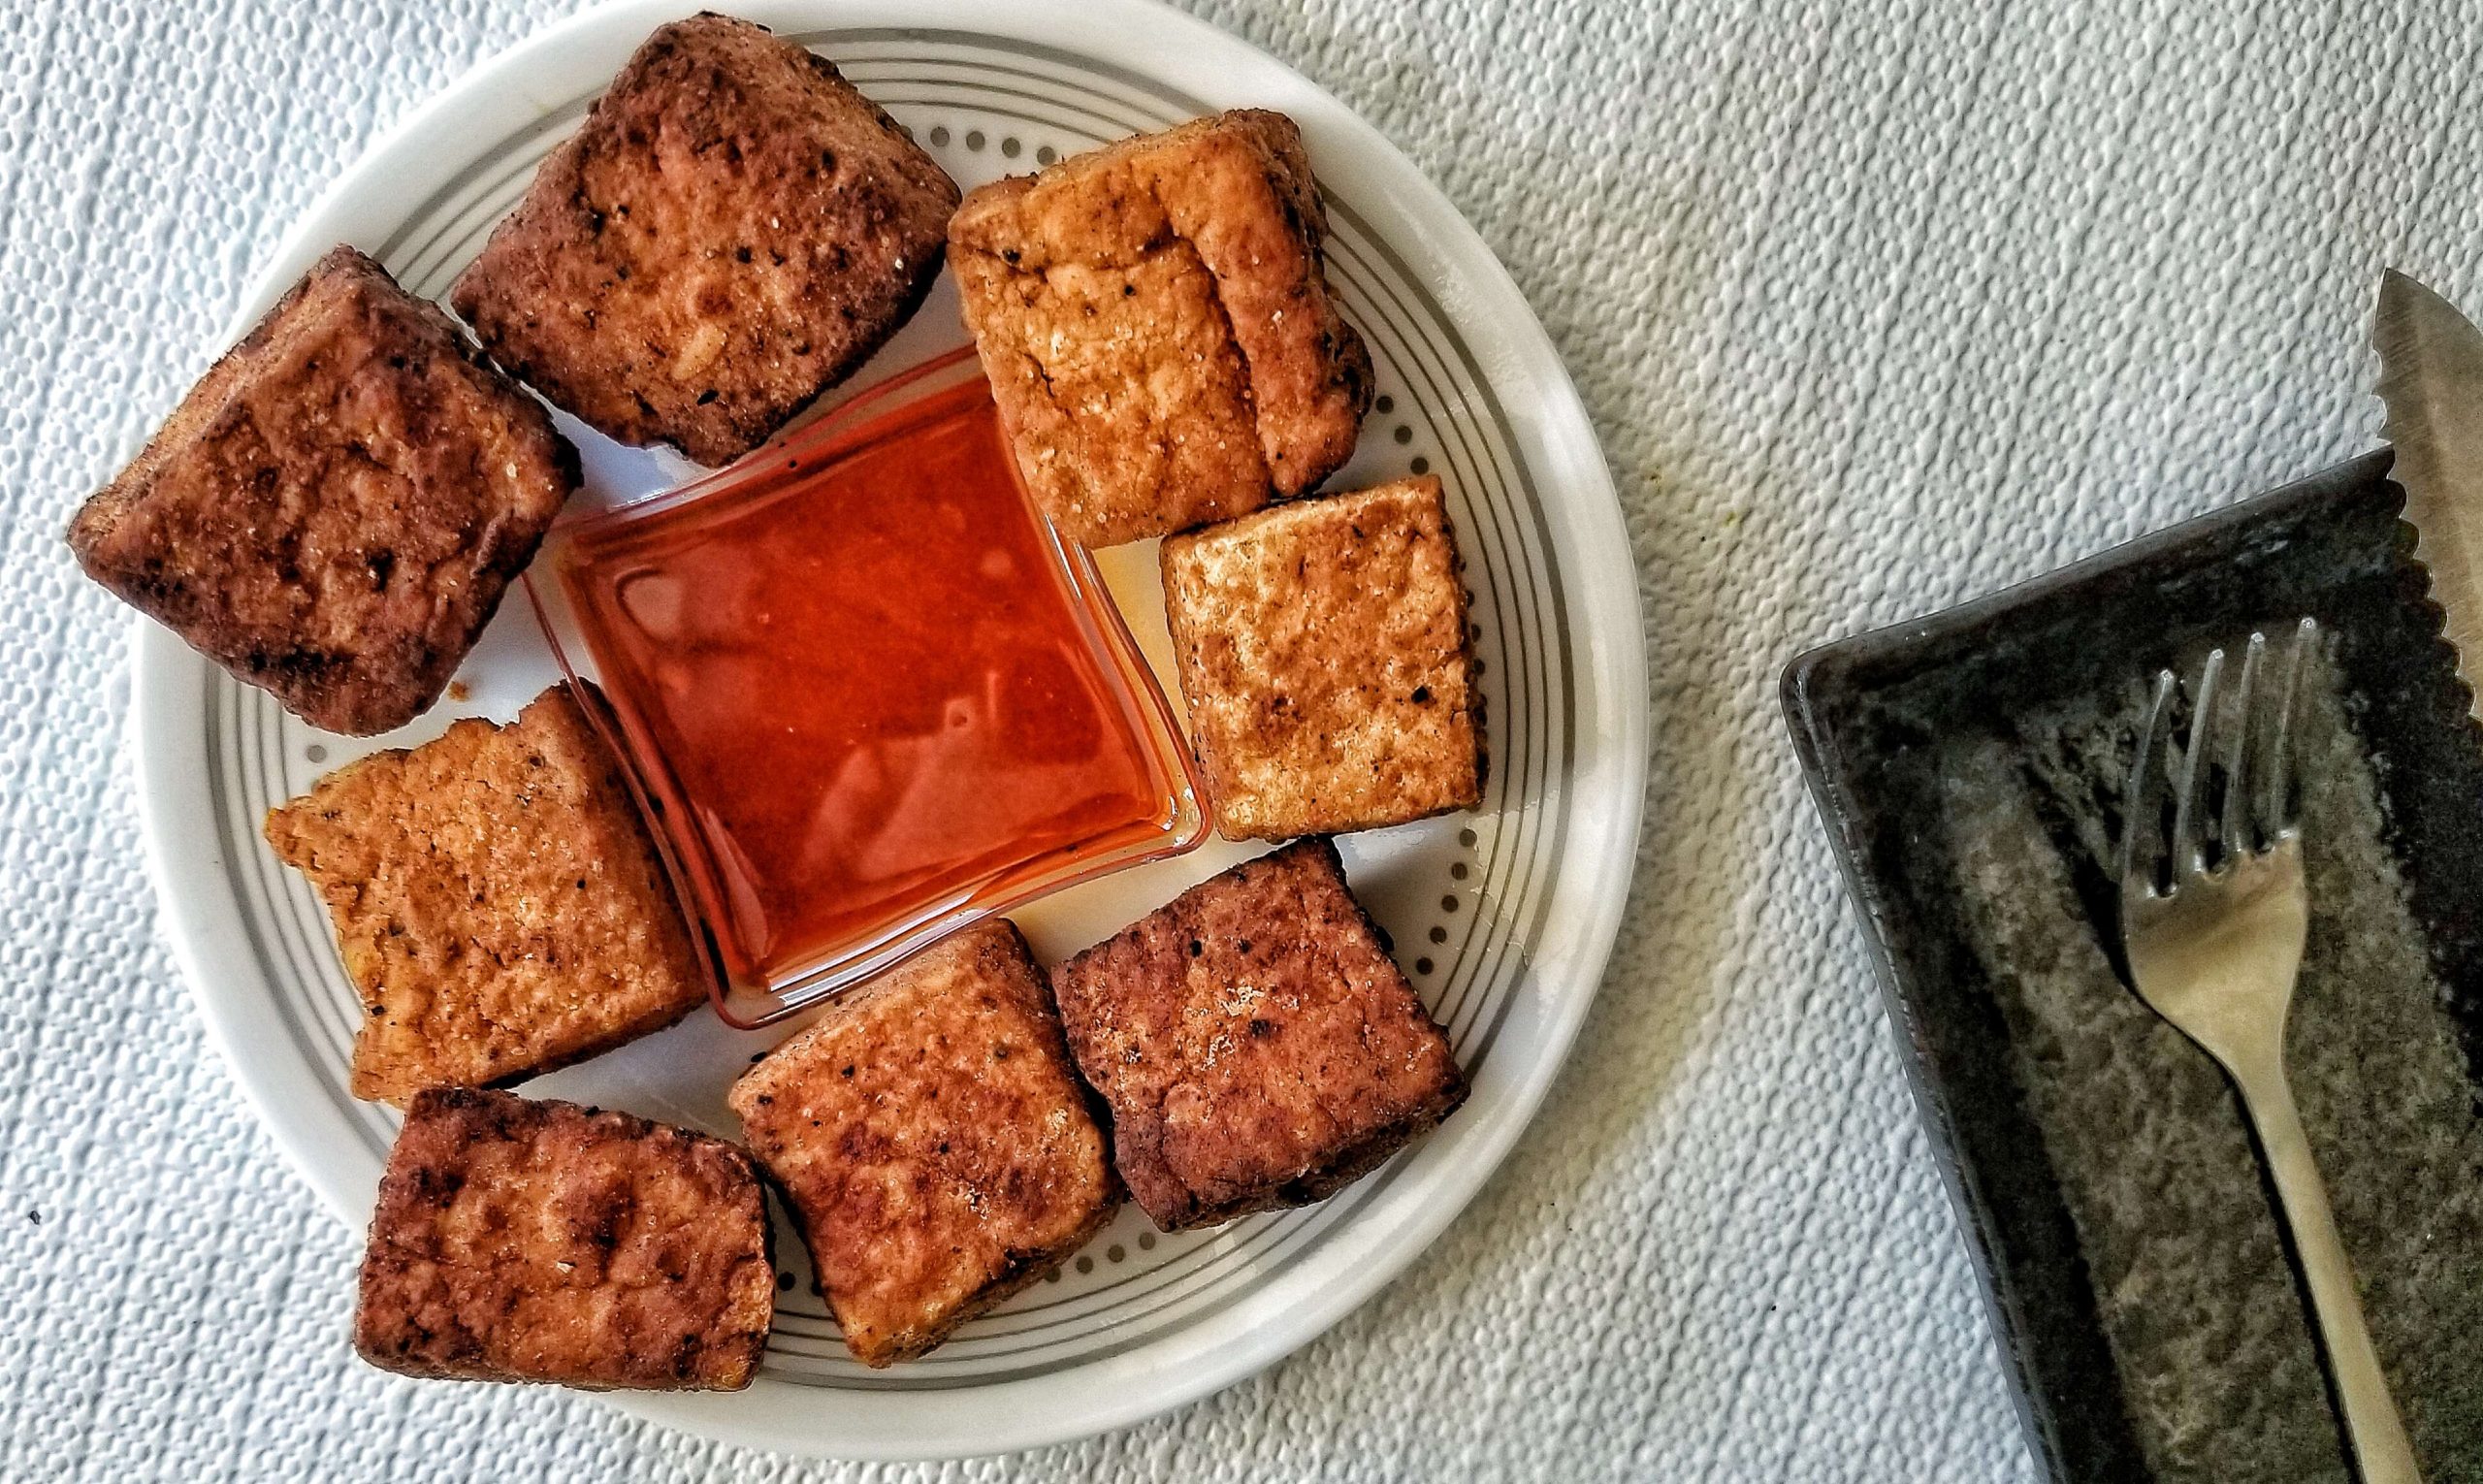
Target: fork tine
x,y
2280,815
2141,800
2239,831
2189,801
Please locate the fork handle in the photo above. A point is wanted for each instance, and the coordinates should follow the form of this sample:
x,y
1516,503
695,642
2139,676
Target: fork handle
x,y
2382,1454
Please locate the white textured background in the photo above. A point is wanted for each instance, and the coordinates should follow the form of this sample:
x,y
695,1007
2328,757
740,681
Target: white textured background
x,y
1876,307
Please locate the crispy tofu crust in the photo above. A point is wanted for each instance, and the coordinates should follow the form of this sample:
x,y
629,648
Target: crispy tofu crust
x,y
520,1240
1155,321
936,1149
1325,656
732,231
1254,1041
334,512
497,900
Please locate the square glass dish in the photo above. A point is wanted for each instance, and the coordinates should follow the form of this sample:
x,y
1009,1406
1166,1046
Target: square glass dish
x,y
863,691
1970,769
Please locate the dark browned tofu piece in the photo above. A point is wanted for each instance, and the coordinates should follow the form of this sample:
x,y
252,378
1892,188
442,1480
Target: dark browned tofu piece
x,y
732,231
333,512
518,1240
932,1141
1156,320
1325,656
1254,1041
497,900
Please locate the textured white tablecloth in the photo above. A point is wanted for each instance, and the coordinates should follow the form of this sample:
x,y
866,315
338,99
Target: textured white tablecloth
x,y
1876,307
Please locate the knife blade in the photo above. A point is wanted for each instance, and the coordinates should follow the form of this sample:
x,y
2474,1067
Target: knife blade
x,y
2430,377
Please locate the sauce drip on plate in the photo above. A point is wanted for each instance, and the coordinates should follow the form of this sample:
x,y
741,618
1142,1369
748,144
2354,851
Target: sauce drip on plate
x,y
860,685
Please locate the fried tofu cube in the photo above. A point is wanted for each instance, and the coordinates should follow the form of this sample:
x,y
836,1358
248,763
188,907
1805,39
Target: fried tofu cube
x,y
934,1144
1255,1043
1155,321
497,900
334,512
521,1241
732,231
1324,653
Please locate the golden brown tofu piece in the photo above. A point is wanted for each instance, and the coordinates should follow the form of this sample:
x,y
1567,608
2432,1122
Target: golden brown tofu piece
x,y
732,231
1325,656
519,1241
1254,1041
932,1141
497,900
334,512
1155,321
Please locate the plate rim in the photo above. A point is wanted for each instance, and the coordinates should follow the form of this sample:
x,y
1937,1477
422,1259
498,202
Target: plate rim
x,y
1551,431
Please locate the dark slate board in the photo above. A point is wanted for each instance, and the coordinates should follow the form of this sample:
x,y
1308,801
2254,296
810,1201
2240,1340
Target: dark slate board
x,y
1968,769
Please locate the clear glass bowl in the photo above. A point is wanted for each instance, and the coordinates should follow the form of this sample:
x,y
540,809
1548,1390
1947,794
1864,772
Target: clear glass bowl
x,y
787,769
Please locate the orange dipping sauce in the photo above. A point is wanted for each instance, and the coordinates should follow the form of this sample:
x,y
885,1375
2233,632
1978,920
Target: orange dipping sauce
x,y
865,689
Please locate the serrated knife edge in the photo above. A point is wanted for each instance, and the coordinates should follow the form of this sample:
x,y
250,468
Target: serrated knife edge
x,y
2431,381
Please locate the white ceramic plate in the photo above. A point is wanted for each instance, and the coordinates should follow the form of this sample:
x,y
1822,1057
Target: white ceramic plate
x,y
1503,918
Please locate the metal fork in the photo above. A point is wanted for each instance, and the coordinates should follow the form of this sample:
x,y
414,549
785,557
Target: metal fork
x,y
2215,950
